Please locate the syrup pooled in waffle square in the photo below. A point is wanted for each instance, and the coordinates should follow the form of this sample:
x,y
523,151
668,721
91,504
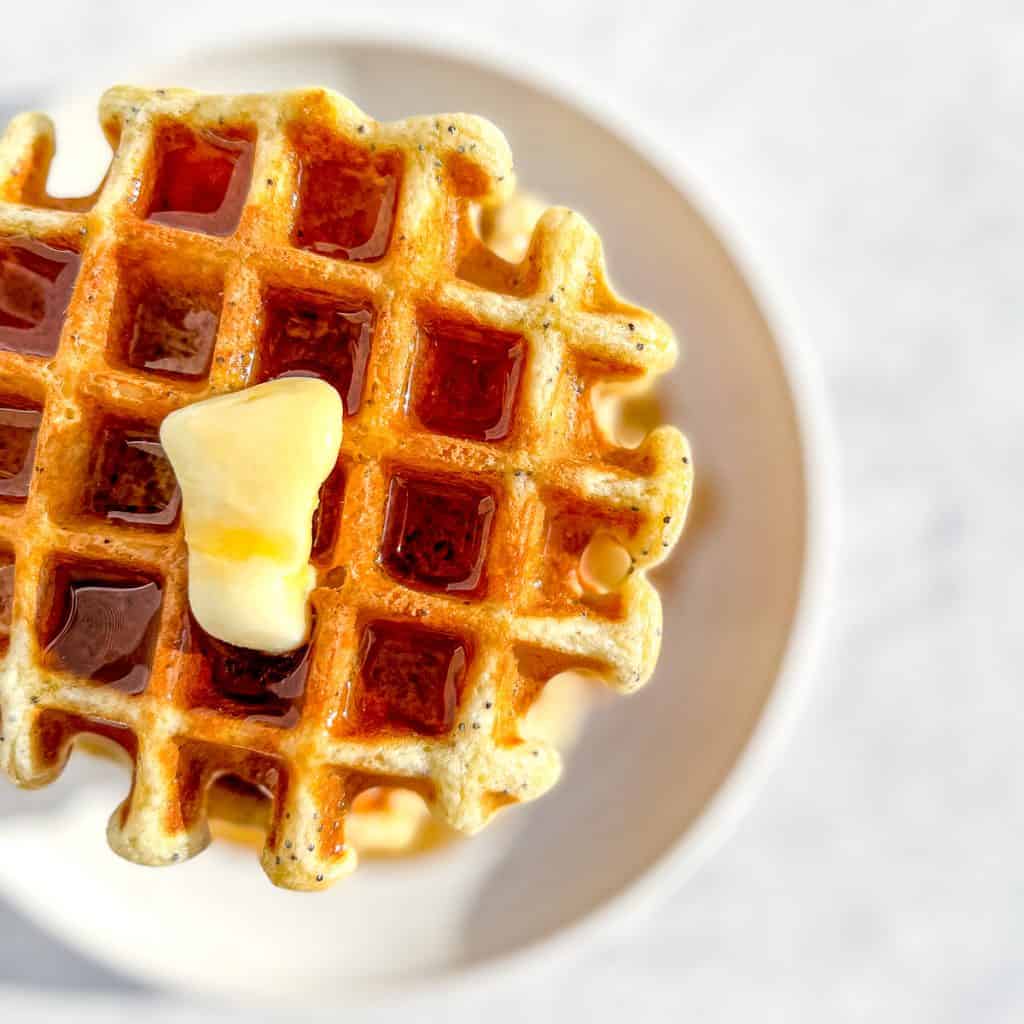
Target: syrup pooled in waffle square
x,y
237,239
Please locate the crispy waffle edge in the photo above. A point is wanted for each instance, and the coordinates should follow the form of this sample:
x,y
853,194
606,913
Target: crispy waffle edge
x,y
558,473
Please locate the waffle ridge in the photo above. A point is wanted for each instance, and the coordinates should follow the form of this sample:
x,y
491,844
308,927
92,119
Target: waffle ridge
x,y
557,476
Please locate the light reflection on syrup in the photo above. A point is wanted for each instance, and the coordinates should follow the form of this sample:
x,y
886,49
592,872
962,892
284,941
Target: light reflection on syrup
x,y
244,683
104,627
327,517
19,428
133,480
36,281
468,380
315,336
411,678
436,532
202,180
172,332
344,211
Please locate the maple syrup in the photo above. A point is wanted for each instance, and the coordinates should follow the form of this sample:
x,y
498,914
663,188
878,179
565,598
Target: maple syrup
x,y
102,625
133,481
327,516
411,678
436,532
36,281
316,336
6,597
246,684
202,180
468,381
347,207
19,428
169,331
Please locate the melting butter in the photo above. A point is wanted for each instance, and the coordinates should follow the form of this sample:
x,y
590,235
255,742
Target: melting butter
x,y
250,466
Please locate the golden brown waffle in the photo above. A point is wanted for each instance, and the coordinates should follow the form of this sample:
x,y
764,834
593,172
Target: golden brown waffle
x,y
232,240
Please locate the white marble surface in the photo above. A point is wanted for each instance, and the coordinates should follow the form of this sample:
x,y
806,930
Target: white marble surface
x,y
872,156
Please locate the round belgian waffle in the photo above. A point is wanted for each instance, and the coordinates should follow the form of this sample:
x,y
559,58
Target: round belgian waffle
x,y
238,238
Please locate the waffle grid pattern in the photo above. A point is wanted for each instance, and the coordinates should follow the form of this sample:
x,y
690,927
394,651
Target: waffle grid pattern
x,y
555,461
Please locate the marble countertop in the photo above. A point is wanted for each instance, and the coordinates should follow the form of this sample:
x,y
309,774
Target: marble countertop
x,y
873,156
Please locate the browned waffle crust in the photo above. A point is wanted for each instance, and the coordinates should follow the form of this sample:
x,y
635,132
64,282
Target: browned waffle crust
x,y
472,474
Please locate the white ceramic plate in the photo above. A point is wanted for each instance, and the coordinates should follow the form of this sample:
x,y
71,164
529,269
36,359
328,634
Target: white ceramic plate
x,y
657,778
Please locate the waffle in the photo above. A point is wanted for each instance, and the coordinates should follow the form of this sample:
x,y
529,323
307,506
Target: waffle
x,y
383,821
388,821
235,239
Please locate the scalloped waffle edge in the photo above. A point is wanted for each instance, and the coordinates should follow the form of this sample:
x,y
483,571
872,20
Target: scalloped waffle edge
x,y
556,478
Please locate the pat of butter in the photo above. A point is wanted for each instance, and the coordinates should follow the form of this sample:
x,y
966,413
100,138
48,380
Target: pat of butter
x,y
250,466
